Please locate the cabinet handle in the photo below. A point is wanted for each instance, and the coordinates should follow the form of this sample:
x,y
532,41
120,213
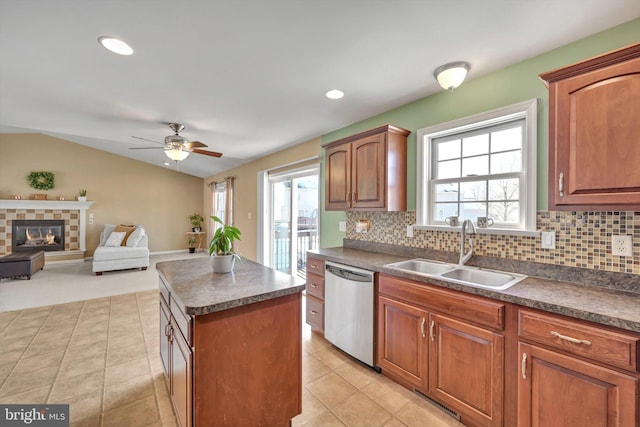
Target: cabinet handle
x,y
570,339
524,366
314,266
315,313
313,285
561,184
431,327
422,327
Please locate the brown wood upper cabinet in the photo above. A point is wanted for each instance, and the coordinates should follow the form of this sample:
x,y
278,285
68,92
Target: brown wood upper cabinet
x,y
367,171
594,132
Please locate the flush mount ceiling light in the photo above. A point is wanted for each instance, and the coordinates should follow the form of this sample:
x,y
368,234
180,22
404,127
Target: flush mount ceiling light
x,y
115,45
334,94
451,75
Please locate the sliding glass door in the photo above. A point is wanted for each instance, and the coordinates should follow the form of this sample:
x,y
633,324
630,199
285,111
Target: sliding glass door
x,y
293,222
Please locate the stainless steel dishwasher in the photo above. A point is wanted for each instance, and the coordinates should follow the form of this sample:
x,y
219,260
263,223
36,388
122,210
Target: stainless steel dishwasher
x,y
348,310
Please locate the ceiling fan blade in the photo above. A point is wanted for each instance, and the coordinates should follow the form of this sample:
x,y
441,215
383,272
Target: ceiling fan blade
x,y
207,153
194,144
146,148
145,139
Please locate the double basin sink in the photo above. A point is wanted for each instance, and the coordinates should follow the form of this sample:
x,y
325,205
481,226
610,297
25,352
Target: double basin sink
x,y
461,274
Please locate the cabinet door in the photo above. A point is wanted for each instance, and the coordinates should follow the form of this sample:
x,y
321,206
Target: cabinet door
x,y
558,390
402,342
466,369
181,375
165,345
594,137
368,176
338,177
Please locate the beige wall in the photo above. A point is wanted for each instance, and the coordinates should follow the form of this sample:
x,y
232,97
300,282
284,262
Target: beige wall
x,y
246,190
123,190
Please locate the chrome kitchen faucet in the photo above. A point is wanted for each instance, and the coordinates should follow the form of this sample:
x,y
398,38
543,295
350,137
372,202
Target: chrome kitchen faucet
x,y
472,233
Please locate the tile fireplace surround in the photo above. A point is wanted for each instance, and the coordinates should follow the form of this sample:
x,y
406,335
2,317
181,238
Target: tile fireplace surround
x,y
72,212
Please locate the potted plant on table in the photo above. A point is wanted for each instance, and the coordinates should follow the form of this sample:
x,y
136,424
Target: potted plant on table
x,y
196,222
191,242
221,249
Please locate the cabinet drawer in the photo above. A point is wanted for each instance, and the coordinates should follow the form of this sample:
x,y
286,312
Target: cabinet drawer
x,y
183,321
315,266
164,291
613,348
315,286
475,309
315,313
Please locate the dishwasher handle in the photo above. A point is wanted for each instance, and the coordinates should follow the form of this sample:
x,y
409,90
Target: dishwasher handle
x,y
354,276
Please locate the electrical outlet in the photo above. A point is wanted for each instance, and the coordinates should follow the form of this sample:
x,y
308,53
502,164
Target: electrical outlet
x,y
342,226
548,240
409,230
621,245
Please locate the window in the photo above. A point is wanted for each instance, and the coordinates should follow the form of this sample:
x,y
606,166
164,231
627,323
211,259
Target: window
x,y
482,165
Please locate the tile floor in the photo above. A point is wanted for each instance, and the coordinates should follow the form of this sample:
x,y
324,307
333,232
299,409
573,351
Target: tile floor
x,y
101,357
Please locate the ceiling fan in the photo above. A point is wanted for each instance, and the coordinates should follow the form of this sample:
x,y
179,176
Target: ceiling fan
x,y
177,147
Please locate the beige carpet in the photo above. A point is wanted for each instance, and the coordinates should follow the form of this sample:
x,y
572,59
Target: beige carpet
x,y
63,282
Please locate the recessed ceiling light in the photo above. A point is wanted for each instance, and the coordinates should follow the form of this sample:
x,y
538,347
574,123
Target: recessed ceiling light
x,y
115,45
334,94
167,164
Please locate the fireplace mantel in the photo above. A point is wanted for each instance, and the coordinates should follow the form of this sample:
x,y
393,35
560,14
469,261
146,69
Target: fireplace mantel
x,y
67,205
44,204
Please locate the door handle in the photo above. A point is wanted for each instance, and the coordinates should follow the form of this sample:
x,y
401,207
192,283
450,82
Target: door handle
x,y
524,366
561,184
570,339
422,327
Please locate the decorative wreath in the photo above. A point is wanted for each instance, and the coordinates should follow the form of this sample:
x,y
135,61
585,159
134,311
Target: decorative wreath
x,y
41,180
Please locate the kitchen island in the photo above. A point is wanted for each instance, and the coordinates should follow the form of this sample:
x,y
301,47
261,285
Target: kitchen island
x,y
231,344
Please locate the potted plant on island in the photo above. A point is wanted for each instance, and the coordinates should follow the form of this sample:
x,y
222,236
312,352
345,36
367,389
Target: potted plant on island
x,y
221,247
82,195
191,242
196,222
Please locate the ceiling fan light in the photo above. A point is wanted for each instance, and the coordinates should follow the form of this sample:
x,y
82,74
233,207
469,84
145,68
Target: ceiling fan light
x,y
176,154
175,139
115,45
451,75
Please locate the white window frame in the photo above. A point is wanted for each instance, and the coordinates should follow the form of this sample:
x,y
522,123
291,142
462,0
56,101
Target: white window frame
x,y
526,110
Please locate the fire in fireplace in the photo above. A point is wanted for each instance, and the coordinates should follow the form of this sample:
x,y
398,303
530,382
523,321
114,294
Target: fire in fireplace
x,y
37,234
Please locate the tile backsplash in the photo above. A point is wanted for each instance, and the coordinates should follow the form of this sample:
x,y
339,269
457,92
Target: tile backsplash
x,y
583,239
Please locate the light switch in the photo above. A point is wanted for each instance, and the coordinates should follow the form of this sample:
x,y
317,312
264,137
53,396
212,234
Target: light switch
x,y
548,240
342,226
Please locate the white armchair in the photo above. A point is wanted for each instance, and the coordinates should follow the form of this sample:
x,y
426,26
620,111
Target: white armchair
x,y
111,254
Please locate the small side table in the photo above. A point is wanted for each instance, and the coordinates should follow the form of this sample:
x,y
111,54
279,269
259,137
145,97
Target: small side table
x,y
199,235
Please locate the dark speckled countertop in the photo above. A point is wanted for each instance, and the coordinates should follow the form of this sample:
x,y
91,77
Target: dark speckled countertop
x,y
201,291
606,306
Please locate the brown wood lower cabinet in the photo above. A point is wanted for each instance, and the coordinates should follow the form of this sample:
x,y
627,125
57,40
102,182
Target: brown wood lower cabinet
x,y
451,360
237,367
559,390
466,369
402,349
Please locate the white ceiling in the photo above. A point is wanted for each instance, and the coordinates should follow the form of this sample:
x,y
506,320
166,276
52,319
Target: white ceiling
x,y
248,77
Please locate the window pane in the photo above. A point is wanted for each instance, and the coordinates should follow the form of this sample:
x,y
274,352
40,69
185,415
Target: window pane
x,y
449,169
448,150
511,161
505,212
475,166
504,189
447,192
507,139
476,190
478,144
443,210
472,210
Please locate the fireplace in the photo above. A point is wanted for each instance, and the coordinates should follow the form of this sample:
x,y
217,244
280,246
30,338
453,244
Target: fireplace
x,y
37,234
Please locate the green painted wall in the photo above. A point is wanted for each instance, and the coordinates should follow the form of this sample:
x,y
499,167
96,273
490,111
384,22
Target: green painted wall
x,y
504,87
